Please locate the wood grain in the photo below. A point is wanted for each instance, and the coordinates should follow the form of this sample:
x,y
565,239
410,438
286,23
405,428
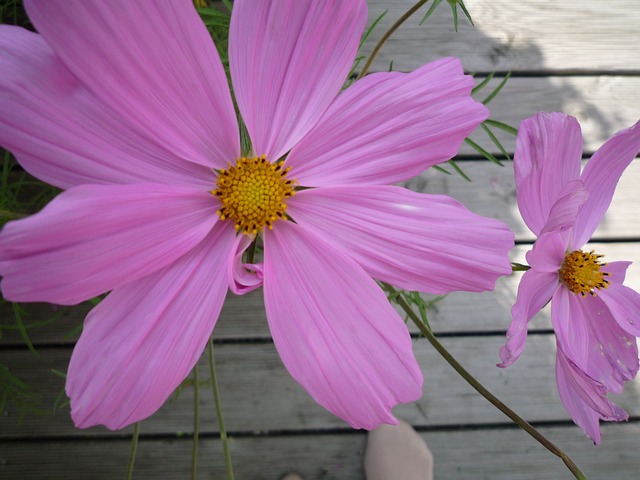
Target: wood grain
x,y
530,36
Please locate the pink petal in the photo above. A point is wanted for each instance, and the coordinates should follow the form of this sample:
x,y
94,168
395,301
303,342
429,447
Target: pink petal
x,y
335,330
584,398
152,62
592,339
601,176
288,61
389,127
616,270
93,238
61,133
624,305
411,240
142,340
547,157
534,292
547,254
564,211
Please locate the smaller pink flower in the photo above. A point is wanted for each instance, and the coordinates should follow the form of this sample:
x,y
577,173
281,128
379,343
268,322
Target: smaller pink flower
x,y
595,317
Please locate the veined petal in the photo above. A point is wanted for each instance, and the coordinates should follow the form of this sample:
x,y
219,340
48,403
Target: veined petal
x,y
414,241
63,134
548,251
388,127
601,176
624,305
534,291
616,270
564,211
288,61
592,339
152,62
141,341
335,330
547,157
584,398
93,238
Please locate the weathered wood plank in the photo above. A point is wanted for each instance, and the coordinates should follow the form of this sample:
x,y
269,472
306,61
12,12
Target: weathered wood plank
x,y
603,105
244,317
259,395
492,454
521,36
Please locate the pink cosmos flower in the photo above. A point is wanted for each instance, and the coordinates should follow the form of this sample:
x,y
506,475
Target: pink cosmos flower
x,y
595,317
125,105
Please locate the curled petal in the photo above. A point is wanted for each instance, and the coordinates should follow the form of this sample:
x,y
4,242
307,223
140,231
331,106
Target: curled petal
x,y
547,157
243,277
141,341
601,176
288,61
335,330
390,126
584,398
93,238
411,240
152,62
534,292
63,134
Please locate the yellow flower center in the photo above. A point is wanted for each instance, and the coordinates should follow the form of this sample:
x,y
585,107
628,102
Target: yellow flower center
x,y
253,193
581,273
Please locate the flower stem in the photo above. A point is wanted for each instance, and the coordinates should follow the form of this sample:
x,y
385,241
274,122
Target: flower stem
x,y
216,396
196,424
386,36
521,422
134,448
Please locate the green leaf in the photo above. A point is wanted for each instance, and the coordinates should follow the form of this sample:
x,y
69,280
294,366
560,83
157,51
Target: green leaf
x,y
466,12
493,94
17,313
482,84
502,126
371,28
459,170
454,9
441,170
59,373
495,141
482,151
432,9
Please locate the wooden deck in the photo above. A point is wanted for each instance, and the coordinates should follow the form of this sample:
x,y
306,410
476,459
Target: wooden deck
x,y
578,57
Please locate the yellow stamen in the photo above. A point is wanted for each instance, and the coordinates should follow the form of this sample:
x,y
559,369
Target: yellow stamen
x,y
253,193
581,273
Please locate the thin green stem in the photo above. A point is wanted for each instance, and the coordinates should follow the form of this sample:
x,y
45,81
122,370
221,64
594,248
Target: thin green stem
x,y
134,448
386,36
521,422
216,396
196,423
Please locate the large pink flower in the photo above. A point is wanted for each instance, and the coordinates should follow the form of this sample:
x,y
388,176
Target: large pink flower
x,y
126,106
595,317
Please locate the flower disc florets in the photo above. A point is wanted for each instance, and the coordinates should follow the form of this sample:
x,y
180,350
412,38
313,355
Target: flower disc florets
x,y
253,193
581,272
